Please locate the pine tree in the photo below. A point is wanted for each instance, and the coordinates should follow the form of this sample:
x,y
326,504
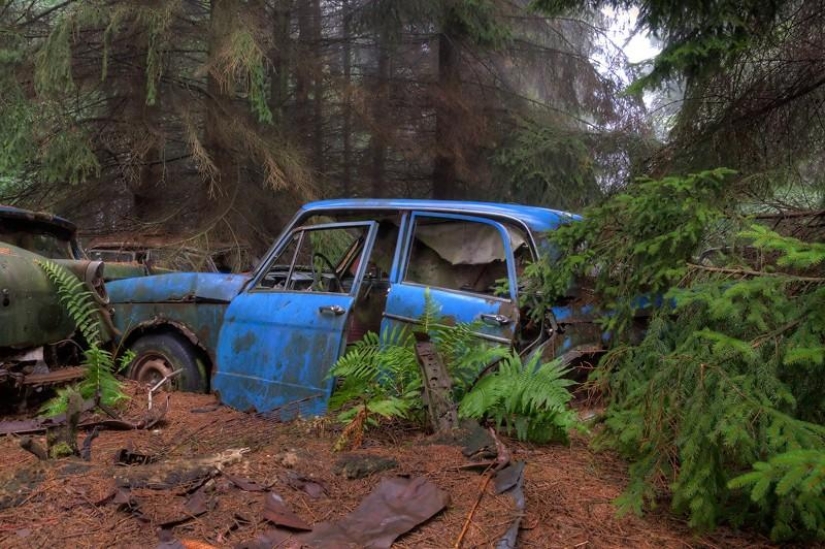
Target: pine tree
x,y
729,374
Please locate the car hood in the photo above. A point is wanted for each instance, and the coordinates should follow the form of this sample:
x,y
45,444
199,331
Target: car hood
x,y
177,287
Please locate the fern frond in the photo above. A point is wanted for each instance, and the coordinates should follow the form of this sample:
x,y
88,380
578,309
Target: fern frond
x,y
99,380
76,298
526,399
60,402
431,314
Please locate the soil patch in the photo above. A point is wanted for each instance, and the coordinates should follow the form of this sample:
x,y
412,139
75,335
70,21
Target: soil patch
x,y
66,503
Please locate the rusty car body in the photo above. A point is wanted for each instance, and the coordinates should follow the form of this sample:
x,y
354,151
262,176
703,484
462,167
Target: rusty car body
x,y
267,340
35,328
163,253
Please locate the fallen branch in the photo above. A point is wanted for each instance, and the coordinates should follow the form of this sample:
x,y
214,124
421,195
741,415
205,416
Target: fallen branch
x,y
502,460
32,446
750,272
487,476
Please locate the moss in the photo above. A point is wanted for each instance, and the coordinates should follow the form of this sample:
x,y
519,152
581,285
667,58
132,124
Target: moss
x,y
61,450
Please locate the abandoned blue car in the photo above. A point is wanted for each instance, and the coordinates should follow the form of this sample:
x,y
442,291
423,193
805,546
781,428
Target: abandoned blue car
x,y
266,341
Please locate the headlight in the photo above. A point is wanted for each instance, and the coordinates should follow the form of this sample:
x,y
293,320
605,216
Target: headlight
x,y
94,281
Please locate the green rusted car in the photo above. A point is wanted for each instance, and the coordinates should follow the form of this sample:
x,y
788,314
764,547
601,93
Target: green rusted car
x,y
36,333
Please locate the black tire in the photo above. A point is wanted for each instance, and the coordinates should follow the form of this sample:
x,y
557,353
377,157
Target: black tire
x,y
158,355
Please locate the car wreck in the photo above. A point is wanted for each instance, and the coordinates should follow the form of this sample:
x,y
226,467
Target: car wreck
x,y
160,254
268,339
35,329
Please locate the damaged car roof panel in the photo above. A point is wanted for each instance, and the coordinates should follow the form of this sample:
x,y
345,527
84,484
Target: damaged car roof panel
x,y
535,217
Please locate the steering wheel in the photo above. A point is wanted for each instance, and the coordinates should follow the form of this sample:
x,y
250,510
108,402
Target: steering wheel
x,y
329,264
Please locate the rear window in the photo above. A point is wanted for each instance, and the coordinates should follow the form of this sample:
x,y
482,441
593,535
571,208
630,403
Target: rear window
x,y
37,238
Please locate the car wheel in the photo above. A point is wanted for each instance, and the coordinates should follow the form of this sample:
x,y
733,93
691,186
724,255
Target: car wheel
x,y
159,355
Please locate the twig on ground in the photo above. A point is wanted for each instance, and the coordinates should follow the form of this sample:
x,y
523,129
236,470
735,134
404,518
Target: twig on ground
x,y
487,476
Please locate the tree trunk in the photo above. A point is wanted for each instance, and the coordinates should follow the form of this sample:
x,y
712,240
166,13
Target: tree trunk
x,y
143,119
378,147
448,92
280,56
317,90
346,125
218,111
303,74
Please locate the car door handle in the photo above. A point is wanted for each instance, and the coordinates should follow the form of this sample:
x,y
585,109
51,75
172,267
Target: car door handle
x,y
496,320
332,310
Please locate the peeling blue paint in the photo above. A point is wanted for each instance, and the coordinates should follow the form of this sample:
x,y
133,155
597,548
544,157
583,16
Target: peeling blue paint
x,y
177,287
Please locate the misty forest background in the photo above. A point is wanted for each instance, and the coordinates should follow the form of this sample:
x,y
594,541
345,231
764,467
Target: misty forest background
x,y
190,116
700,173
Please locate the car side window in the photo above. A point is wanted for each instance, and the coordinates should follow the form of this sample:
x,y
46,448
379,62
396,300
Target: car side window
x,y
317,260
457,255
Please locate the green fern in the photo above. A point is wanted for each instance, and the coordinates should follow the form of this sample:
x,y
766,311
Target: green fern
x,y
432,313
527,400
378,369
99,381
380,374
78,301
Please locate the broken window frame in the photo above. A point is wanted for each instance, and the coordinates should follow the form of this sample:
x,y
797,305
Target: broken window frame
x,y
353,252
504,234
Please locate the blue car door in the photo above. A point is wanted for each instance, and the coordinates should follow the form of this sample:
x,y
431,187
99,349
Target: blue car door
x,y
466,265
281,336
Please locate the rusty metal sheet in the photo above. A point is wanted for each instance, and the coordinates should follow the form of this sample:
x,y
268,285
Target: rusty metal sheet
x,y
511,480
277,512
245,484
394,508
299,482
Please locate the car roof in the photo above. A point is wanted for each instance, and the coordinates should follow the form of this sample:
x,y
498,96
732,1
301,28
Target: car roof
x,y
537,219
12,212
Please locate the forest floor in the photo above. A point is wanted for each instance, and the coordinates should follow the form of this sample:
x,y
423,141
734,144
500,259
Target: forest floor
x,y
73,503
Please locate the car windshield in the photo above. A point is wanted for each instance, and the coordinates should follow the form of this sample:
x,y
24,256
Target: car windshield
x,y
39,238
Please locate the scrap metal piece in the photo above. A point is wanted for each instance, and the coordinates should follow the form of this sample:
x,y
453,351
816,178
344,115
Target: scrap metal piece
x,y
312,487
125,456
511,479
86,448
437,386
394,508
245,484
159,384
56,377
276,512
197,504
355,466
